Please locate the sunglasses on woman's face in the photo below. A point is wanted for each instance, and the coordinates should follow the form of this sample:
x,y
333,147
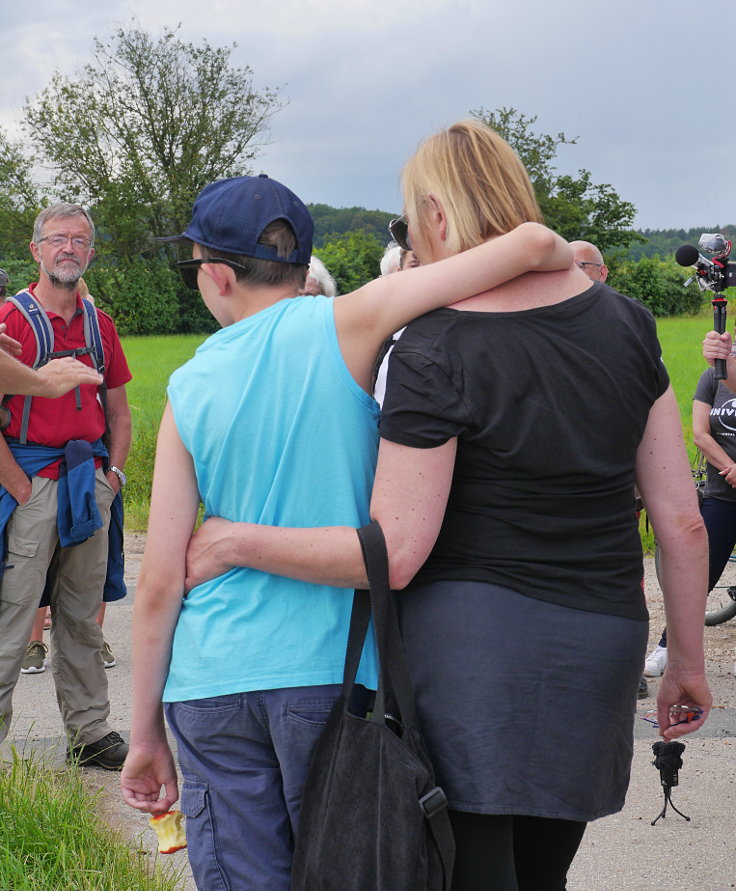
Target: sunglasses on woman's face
x,y
399,231
189,269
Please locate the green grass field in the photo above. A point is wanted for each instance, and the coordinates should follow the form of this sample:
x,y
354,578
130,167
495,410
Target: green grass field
x,y
682,341
152,359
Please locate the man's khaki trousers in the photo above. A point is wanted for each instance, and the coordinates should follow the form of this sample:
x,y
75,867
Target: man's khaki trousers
x,y
78,577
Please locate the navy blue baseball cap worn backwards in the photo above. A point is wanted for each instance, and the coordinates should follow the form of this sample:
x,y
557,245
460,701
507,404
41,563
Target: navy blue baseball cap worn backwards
x,y
231,214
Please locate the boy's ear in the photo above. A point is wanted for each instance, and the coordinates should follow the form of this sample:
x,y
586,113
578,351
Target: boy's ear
x,y
223,276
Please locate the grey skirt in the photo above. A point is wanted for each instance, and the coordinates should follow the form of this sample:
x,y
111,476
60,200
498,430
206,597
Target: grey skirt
x,y
526,707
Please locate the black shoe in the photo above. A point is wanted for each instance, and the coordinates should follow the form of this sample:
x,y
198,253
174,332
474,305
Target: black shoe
x,y
643,689
108,752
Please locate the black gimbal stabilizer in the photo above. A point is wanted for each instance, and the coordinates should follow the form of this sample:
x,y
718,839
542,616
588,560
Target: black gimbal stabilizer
x,y
714,273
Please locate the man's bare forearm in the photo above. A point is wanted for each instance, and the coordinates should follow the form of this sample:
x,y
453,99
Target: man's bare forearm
x,y
12,475
54,379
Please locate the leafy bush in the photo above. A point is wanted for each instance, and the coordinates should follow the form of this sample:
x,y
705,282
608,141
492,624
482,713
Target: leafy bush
x,y
353,259
194,317
658,284
141,296
145,296
21,273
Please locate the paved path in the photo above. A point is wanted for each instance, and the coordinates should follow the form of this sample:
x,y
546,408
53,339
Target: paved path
x,y
620,852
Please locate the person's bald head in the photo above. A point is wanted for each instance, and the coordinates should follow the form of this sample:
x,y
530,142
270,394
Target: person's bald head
x,y
590,260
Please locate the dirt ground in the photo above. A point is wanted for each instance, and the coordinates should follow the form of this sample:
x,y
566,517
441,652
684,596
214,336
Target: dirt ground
x,y
720,641
623,851
708,782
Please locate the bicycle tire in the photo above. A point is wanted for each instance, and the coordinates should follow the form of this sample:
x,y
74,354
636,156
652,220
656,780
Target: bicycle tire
x,y
720,606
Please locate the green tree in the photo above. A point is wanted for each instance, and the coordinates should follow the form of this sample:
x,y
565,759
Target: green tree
x,y
536,150
353,259
19,198
141,129
574,207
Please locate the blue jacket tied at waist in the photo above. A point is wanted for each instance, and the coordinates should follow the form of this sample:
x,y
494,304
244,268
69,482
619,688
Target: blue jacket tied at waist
x,y
77,515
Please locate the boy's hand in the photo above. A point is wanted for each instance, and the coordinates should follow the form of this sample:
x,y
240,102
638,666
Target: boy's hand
x,y
144,772
716,346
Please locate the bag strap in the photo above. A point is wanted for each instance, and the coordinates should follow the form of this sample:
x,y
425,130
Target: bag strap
x,y
359,619
434,805
394,685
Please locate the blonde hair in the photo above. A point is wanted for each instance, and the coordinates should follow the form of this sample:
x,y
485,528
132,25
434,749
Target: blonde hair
x,y
483,186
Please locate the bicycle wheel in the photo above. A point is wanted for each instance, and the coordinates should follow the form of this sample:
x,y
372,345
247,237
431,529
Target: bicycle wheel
x,y
721,603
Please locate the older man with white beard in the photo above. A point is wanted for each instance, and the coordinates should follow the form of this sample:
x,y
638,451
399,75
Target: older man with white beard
x,y
52,452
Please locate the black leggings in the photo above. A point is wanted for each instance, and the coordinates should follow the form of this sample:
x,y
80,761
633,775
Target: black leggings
x,y
512,853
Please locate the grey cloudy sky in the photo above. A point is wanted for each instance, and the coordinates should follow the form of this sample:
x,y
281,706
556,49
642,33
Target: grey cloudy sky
x,y
642,84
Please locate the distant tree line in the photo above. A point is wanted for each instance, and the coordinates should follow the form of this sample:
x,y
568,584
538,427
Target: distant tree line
x,y
330,222
664,242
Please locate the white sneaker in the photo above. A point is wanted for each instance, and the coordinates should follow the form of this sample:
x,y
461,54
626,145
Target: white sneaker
x,y
656,662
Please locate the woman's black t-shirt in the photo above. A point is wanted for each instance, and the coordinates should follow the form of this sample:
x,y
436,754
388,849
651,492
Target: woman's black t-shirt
x,y
722,402
549,406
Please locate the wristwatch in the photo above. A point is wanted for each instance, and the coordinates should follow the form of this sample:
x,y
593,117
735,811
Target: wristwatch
x,y
119,474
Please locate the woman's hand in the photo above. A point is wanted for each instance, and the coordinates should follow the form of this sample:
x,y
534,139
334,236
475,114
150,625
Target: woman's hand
x,y
679,687
206,557
729,474
716,346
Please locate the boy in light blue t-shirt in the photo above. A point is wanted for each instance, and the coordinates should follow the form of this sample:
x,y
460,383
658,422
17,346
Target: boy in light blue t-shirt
x,y
271,422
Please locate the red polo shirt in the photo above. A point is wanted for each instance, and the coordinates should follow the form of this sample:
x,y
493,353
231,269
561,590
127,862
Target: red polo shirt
x,y
53,422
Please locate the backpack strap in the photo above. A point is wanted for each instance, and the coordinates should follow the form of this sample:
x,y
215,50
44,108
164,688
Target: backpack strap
x,y
35,315
40,324
93,340
92,336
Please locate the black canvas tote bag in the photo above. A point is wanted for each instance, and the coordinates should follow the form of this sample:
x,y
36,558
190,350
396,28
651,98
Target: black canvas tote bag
x,y
372,817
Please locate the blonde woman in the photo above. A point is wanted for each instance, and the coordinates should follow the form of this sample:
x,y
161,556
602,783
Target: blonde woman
x,y
515,427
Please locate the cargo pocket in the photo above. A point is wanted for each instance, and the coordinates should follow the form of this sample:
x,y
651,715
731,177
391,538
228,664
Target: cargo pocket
x,y
22,578
23,547
203,845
